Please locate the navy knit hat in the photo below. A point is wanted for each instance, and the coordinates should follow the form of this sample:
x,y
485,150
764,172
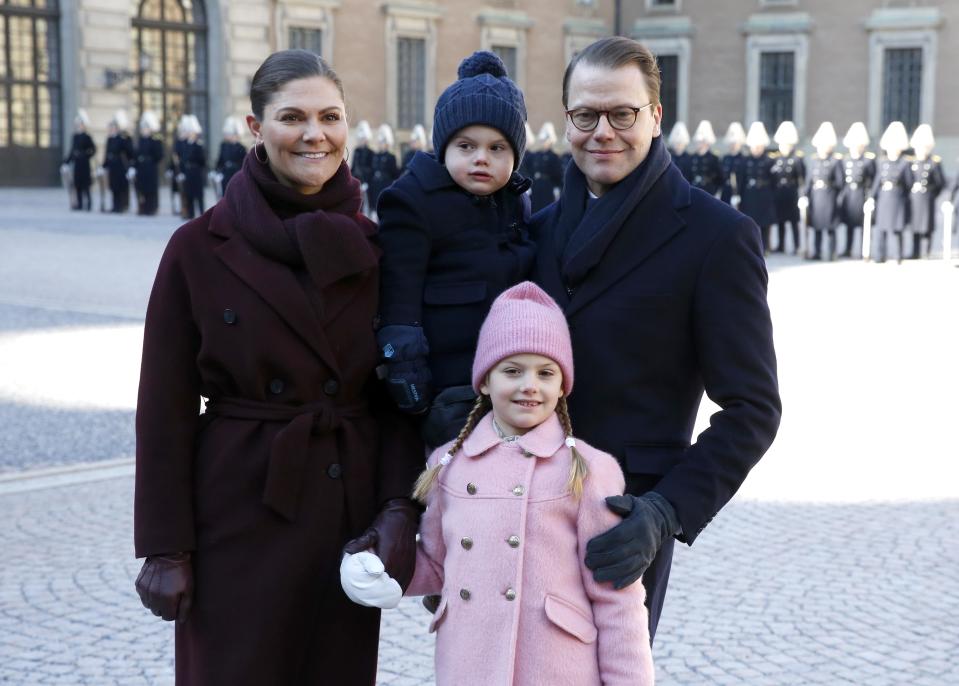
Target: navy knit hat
x,y
483,95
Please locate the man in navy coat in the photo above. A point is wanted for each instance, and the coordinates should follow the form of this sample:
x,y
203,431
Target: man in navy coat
x,y
664,288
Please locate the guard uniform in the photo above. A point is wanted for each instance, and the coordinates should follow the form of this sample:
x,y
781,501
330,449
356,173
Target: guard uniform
x,y
789,173
117,161
706,171
229,161
383,172
193,168
547,176
859,174
928,182
756,193
731,171
82,149
147,185
823,185
891,193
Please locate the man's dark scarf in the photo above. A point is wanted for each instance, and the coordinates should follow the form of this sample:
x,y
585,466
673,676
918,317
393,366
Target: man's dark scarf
x,y
585,230
323,232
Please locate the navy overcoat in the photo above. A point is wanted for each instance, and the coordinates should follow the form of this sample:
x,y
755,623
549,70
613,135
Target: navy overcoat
x,y
447,254
675,305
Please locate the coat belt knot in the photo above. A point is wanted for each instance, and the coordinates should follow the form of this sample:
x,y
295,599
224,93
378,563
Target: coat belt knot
x,y
290,448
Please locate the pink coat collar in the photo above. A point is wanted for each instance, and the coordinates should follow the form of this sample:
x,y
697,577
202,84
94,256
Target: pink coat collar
x,y
543,441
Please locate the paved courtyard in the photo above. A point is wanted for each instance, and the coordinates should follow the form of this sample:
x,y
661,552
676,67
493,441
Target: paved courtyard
x,y
837,563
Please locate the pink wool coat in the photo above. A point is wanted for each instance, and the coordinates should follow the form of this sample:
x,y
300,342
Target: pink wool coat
x,y
503,541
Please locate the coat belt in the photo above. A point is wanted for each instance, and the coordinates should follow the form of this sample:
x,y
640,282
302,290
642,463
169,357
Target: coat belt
x,y
290,448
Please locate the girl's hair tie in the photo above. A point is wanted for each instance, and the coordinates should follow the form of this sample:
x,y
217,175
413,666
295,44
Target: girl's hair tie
x,y
445,460
570,442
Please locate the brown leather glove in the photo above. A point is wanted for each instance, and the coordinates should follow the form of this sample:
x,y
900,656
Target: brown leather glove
x,y
165,586
392,536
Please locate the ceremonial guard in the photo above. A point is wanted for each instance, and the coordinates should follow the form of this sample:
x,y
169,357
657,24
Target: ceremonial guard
x,y
361,166
416,144
756,182
928,182
678,142
859,173
547,169
148,158
193,167
735,140
890,194
82,150
821,191
232,152
705,167
384,169
117,161
174,171
789,174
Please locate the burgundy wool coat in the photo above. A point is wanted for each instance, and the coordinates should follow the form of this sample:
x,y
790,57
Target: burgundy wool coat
x,y
297,460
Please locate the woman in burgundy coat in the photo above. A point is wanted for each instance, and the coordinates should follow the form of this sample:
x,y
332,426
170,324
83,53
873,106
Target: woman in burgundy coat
x,y
264,307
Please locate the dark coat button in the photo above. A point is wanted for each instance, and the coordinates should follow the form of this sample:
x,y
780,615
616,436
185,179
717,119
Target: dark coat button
x,y
276,386
334,471
229,316
331,387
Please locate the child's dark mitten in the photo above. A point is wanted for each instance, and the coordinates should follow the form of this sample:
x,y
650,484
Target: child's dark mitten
x,y
405,349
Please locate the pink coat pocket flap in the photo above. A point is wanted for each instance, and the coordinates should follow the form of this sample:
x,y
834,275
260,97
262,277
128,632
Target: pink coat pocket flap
x,y
570,618
438,615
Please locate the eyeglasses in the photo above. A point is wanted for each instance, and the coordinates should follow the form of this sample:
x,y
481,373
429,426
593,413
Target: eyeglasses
x,y
620,118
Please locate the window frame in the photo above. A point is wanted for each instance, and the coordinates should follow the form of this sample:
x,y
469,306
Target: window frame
x,y
879,42
772,126
756,45
674,6
681,48
408,21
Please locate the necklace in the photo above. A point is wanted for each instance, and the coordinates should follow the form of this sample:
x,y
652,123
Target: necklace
x,y
502,434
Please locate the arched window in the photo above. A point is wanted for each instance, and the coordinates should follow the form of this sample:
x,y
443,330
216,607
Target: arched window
x,y
170,59
30,138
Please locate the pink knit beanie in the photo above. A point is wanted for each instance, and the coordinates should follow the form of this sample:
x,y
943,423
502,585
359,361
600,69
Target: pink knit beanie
x,y
524,319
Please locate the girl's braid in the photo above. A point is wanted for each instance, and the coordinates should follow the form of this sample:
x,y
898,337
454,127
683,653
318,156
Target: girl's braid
x,y
426,480
578,470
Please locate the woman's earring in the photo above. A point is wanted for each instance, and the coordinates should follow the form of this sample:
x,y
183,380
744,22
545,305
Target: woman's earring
x,y
265,159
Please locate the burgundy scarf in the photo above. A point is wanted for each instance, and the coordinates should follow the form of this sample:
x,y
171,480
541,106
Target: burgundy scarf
x,y
324,232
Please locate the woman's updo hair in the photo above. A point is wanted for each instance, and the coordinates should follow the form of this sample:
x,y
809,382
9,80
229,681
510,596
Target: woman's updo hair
x,y
282,67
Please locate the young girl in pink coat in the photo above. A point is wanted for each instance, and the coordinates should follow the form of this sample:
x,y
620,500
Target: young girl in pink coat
x,y
511,504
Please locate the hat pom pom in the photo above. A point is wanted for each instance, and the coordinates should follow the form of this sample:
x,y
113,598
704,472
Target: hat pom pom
x,y
482,62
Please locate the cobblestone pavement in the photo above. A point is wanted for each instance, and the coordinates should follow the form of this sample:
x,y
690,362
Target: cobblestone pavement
x,y
774,593
836,564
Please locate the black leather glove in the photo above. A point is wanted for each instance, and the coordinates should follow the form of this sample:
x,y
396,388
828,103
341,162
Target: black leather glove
x,y
165,586
623,553
405,350
392,536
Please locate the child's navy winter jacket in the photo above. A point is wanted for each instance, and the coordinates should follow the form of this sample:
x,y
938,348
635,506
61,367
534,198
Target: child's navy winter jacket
x,y
447,254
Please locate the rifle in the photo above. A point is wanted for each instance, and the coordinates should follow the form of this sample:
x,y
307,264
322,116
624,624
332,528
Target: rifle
x,y
66,178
